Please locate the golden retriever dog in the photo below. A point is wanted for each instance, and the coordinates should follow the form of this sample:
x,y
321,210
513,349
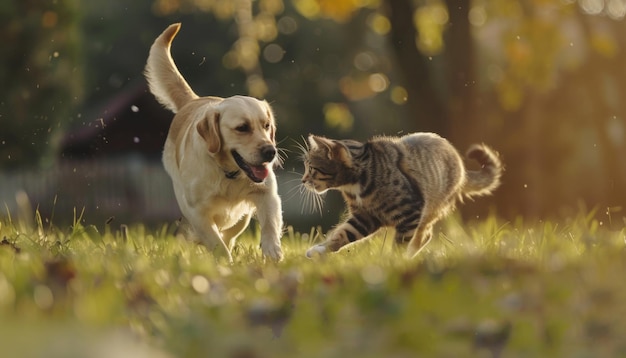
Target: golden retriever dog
x,y
220,154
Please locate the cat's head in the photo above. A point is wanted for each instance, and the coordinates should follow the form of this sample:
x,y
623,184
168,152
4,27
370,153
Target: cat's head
x,y
329,163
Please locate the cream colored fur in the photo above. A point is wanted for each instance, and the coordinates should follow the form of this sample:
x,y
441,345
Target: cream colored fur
x,y
215,193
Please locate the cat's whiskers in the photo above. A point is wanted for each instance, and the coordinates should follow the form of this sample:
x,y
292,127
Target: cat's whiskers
x,y
312,200
295,188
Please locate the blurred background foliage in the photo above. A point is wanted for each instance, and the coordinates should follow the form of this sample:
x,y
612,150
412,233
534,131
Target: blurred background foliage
x,y
543,81
40,78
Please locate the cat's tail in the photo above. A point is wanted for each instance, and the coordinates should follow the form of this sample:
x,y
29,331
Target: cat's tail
x,y
165,81
485,180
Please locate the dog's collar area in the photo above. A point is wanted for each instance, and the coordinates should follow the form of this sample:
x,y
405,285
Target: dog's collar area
x,y
232,175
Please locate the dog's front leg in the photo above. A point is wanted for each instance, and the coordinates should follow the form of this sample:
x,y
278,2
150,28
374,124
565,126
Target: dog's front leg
x,y
212,239
210,236
270,216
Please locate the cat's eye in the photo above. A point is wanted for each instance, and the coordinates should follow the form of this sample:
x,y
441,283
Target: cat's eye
x,y
320,171
312,169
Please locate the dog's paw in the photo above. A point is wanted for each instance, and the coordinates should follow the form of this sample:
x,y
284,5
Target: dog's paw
x,y
317,250
273,251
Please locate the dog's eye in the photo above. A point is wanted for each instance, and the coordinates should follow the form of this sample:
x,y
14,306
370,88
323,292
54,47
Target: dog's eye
x,y
243,128
267,126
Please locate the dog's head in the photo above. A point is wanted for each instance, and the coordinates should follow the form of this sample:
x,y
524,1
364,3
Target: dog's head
x,y
241,130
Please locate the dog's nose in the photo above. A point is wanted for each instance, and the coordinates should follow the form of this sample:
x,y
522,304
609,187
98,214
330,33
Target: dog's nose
x,y
268,153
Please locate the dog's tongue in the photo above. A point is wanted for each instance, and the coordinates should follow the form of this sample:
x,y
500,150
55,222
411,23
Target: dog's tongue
x,y
260,171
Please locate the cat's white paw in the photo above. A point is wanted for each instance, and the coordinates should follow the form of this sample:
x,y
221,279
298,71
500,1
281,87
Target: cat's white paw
x,y
317,250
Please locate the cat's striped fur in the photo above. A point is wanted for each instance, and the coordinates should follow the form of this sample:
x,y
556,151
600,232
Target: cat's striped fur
x,y
406,182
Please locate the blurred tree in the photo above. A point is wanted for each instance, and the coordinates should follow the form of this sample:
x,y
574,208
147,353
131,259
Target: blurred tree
x,y
534,55
39,75
254,27
115,51
555,78
541,80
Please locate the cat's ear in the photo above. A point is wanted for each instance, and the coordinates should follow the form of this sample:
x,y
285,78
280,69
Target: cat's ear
x,y
335,150
316,142
341,153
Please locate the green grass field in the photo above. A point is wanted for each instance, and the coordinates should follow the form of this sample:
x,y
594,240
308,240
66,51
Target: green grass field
x,y
487,288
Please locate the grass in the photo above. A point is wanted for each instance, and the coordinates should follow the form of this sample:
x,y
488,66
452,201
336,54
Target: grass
x,y
486,288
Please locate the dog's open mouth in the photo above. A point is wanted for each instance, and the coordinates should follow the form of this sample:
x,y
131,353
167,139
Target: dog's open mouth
x,y
256,173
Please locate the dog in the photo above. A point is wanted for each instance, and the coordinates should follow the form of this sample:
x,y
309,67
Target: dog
x,y
220,154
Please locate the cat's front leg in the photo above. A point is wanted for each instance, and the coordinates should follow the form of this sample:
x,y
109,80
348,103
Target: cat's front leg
x,y
350,231
336,239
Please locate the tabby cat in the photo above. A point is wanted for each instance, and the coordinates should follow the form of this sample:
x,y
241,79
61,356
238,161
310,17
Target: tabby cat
x,y
406,182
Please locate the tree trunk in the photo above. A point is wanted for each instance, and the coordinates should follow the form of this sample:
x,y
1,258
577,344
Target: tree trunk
x,y
425,105
460,72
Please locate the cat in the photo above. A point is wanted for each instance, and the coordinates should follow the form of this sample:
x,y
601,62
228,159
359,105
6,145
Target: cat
x,y
407,182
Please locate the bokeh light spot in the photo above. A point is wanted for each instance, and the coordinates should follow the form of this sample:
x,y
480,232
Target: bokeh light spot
x,y
49,19
273,53
338,116
399,95
262,285
616,9
200,284
364,61
43,297
7,293
592,7
308,8
379,23
378,82
287,25
478,16
373,275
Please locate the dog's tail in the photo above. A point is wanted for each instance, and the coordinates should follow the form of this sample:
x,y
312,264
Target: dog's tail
x,y
487,179
165,82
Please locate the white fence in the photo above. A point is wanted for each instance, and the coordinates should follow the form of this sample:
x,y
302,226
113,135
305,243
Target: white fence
x,y
129,189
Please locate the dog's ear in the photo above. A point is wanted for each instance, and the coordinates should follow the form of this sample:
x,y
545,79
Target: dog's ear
x,y
209,130
270,115
273,133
